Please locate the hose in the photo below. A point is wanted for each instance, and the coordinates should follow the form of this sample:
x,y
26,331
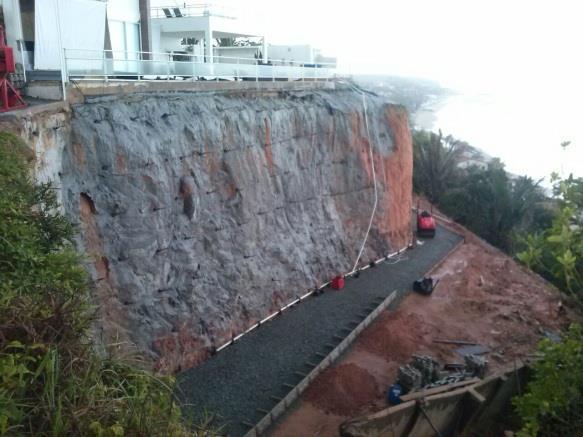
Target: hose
x,y
374,177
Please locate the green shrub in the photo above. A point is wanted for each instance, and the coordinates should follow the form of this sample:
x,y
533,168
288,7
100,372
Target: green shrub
x,y
51,380
553,402
557,251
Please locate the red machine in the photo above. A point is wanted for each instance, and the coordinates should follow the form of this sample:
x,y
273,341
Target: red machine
x,y
9,96
425,223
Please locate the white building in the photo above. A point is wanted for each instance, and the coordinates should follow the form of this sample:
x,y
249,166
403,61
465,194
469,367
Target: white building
x,y
203,25
293,54
137,39
38,29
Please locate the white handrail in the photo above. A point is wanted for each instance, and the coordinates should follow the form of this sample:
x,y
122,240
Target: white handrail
x,y
111,65
139,57
193,10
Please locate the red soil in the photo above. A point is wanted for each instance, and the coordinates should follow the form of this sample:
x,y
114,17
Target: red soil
x,y
343,390
483,296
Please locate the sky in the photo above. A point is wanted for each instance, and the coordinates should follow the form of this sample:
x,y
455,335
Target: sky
x,y
525,56
466,44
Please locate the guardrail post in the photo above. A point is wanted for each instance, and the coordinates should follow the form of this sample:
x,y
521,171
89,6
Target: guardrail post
x,y
257,72
168,67
64,74
273,73
193,67
140,64
105,66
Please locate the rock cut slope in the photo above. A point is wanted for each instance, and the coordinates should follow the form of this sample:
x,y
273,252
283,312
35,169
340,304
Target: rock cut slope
x,y
203,213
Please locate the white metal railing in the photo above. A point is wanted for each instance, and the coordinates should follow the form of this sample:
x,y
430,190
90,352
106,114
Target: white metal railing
x,y
193,10
123,65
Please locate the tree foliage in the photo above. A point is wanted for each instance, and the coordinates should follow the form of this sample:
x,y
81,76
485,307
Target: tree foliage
x,y
557,251
553,402
51,380
435,163
493,205
487,200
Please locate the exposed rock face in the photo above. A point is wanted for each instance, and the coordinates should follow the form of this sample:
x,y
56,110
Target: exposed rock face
x,y
202,214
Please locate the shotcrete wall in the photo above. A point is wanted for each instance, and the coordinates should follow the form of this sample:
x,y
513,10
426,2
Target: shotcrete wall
x,y
203,213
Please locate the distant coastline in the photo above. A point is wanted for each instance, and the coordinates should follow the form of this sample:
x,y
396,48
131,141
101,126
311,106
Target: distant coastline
x,y
425,117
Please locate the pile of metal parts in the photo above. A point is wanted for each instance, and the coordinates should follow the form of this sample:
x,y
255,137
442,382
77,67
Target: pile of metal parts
x,y
424,372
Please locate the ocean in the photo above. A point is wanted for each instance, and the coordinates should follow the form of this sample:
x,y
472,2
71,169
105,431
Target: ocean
x,y
524,130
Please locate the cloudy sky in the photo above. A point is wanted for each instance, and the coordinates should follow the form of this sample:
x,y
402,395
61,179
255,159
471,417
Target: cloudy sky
x,y
468,43
528,53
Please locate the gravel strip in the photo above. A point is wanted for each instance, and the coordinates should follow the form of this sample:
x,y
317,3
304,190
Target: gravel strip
x,y
244,377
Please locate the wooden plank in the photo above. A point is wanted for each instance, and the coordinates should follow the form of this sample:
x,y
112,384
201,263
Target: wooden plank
x,y
477,396
436,390
460,342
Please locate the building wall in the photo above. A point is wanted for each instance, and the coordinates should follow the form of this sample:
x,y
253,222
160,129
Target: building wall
x,y
123,10
237,52
289,53
123,19
11,10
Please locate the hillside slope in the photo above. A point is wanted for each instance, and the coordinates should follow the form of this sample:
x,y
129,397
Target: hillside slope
x,y
483,296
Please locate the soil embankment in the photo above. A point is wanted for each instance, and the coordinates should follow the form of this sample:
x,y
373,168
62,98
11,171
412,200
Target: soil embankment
x,y
483,296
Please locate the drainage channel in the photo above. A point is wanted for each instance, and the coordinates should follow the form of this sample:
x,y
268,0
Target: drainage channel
x,y
280,408
248,384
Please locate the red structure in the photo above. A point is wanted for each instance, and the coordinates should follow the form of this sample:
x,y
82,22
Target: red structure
x,y
337,283
9,96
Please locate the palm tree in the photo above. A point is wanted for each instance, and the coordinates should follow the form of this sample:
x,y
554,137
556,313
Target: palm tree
x,y
436,162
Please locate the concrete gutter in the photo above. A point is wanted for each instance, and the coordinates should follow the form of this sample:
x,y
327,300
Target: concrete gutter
x,y
281,407
295,393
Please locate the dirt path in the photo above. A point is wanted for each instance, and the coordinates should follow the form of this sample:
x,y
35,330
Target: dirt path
x,y
483,296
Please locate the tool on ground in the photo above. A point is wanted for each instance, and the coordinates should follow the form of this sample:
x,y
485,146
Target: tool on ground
x,y
425,223
9,96
460,342
425,286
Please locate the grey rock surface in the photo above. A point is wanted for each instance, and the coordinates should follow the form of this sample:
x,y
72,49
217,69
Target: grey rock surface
x,y
203,213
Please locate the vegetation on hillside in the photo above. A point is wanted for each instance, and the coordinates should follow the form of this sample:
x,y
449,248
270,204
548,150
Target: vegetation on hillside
x,y
486,200
543,232
51,380
556,252
553,402
435,160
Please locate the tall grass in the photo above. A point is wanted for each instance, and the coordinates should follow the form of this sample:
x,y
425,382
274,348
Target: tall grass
x,y
51,380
